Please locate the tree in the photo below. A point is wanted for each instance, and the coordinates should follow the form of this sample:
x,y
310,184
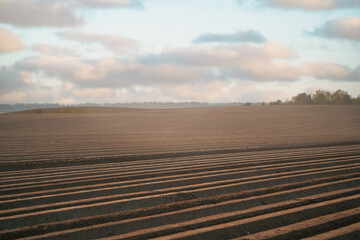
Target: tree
x,y
302,98
321,97
278,102
341,97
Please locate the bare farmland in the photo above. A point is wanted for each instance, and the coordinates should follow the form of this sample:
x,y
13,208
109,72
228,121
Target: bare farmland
x,y
267,172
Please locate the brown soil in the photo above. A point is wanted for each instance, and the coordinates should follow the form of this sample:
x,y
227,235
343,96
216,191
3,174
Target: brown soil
x,y
267,172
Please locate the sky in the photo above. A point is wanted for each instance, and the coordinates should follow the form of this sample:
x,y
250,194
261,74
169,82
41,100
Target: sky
x,y
109,51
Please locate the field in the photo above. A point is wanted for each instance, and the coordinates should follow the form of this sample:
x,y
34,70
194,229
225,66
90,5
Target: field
x,y
247,172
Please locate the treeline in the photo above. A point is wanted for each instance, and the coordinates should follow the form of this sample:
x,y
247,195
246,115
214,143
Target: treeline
x,y
29,106
321,97
145,105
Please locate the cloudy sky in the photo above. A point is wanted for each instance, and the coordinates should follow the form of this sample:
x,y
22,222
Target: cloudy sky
x,y
100,51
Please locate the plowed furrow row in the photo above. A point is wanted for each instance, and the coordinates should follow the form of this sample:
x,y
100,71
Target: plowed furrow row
x,y
29,156
348,232
202,215
151,164
222,203
120,175
162,147
278,194
82,208
147,164
333,151
202,176
349,205
296,230
154,183
207,180
114,150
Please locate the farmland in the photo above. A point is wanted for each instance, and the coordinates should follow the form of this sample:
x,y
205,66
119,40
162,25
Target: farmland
x,y
246,172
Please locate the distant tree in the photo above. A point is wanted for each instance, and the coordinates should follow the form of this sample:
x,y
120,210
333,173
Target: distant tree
x,y
278,102
357,100
341,97
321,97
302,98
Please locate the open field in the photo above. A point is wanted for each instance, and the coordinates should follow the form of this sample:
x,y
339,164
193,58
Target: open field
x,y
113,132
267,172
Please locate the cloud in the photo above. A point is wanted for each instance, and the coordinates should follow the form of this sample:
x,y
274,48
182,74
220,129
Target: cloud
x,y
115,43
321,70
114,79
86,94
53,13
223,55
37,13
345,28
109,3
241,36
198,65
313,5
69,67
48,49
356,74
9,42
269,61
37,93
110,72
11,78
256,62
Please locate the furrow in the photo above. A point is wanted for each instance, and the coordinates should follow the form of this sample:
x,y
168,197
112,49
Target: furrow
x,y
243,222
154,183
340,233
308,227
6,178
279,167
63,171
141,174
190,209
153,198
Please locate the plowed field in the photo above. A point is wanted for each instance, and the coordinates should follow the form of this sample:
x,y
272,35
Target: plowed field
x,y
269,172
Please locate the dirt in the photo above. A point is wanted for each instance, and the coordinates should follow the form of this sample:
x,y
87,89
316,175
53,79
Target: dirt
x,y
265,172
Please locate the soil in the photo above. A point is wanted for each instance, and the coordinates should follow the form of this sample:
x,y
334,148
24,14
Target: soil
x,y
247,172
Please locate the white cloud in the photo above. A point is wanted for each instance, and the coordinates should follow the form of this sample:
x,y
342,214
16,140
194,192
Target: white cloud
x,y
53,13
356,74
109,3
12,78
325,71
86,94
111,80
258,62
269,61
110,72
38,13
71,68
345,28
9,42
217,90
115,43
314,5
223,55
48,49
241,36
